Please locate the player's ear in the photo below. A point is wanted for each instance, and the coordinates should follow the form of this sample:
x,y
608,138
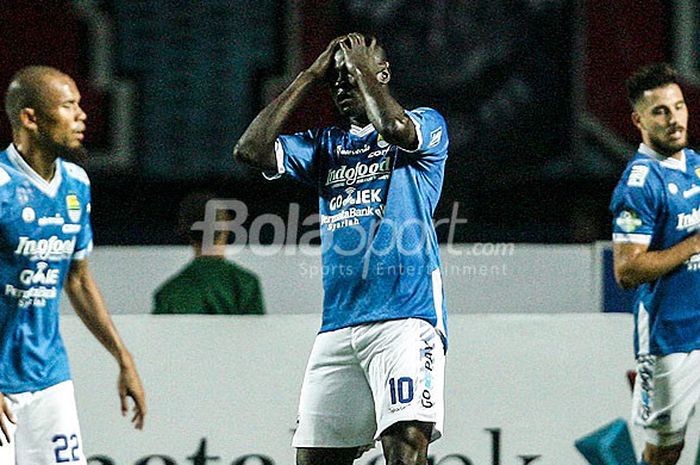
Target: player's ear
x,y
637,120
384,76
27,117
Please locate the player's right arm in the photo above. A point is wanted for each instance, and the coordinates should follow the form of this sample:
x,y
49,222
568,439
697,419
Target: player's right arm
x,y
635,264
256,147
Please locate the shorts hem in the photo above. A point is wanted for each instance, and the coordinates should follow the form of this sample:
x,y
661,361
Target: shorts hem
x,y
660,439
434,435
326,445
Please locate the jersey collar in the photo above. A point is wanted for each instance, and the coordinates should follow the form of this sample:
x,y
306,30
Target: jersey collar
x,y
361,131
49,188
666,162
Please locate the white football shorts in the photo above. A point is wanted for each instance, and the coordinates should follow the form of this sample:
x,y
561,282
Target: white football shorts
x,y
47,429
362,379
665,393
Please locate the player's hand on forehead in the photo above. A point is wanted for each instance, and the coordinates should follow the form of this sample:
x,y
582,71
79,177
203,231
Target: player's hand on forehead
x,y
355,39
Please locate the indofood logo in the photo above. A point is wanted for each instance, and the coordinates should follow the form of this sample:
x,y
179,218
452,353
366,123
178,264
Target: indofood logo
x,y
360,172
688,220
51,249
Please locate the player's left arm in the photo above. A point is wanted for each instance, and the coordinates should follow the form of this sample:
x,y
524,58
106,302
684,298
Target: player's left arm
x,y
88,303
371,78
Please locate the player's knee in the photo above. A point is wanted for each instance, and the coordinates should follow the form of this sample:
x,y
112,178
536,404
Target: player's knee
x,y
406,443
667,454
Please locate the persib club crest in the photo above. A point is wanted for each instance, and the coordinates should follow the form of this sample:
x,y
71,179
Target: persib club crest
x,y
73,207
628,221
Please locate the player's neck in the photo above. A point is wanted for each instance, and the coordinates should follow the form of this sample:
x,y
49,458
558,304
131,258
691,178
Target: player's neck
x,y
678,155
43,164
213,252
359,121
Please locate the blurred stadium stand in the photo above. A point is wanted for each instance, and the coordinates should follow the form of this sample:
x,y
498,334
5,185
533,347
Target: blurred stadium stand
x,y
532,91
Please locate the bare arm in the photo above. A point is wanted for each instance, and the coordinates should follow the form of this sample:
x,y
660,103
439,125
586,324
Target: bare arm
x,y
256,147
635,265
87,301
383,111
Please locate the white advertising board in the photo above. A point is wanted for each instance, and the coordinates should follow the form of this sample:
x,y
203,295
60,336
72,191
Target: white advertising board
x,y
223,390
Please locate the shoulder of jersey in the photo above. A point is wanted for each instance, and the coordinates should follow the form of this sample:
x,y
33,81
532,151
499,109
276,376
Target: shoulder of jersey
x,y
76,172
693,153
637,172
5,170
421,110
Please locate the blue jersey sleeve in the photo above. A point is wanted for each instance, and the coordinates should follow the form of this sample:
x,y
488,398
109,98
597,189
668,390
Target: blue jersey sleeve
x,y
83,245
297,155
4,191
636,204
431,131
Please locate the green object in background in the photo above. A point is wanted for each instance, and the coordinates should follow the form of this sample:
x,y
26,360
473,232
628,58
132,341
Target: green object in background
x,y
210,286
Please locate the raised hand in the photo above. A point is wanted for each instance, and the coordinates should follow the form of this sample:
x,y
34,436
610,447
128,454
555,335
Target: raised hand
x,y
361,58
319,68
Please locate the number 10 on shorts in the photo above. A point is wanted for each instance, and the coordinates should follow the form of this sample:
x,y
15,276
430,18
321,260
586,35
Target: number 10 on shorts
x,y
401,390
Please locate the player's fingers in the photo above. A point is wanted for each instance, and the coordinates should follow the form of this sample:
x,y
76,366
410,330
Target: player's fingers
x,y
138,420
357,39
139,412
8,413
373,43
338,40
5,433
140,403
124,403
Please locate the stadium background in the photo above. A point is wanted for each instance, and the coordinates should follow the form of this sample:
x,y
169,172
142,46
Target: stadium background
x,y
533,94
532,91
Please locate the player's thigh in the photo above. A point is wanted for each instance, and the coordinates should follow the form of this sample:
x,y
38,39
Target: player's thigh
x,y
50,432
405,364
335,406
665,393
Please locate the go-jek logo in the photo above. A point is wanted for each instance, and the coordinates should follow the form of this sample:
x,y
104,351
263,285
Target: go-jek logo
x,y
356,197
42,275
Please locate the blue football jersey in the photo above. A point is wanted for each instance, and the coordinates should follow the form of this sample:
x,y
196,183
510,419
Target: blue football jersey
x,y
380,253
657,203
43,226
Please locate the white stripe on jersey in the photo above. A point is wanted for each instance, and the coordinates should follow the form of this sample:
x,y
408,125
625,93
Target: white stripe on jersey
x,y
279,157
49,188
643,330
437,300
622,238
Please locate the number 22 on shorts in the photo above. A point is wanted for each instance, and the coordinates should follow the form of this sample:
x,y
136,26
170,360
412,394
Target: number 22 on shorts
x,y
66,449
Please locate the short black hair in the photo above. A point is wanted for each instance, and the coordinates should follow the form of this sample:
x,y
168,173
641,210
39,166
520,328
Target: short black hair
x,y
27,89
649,77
